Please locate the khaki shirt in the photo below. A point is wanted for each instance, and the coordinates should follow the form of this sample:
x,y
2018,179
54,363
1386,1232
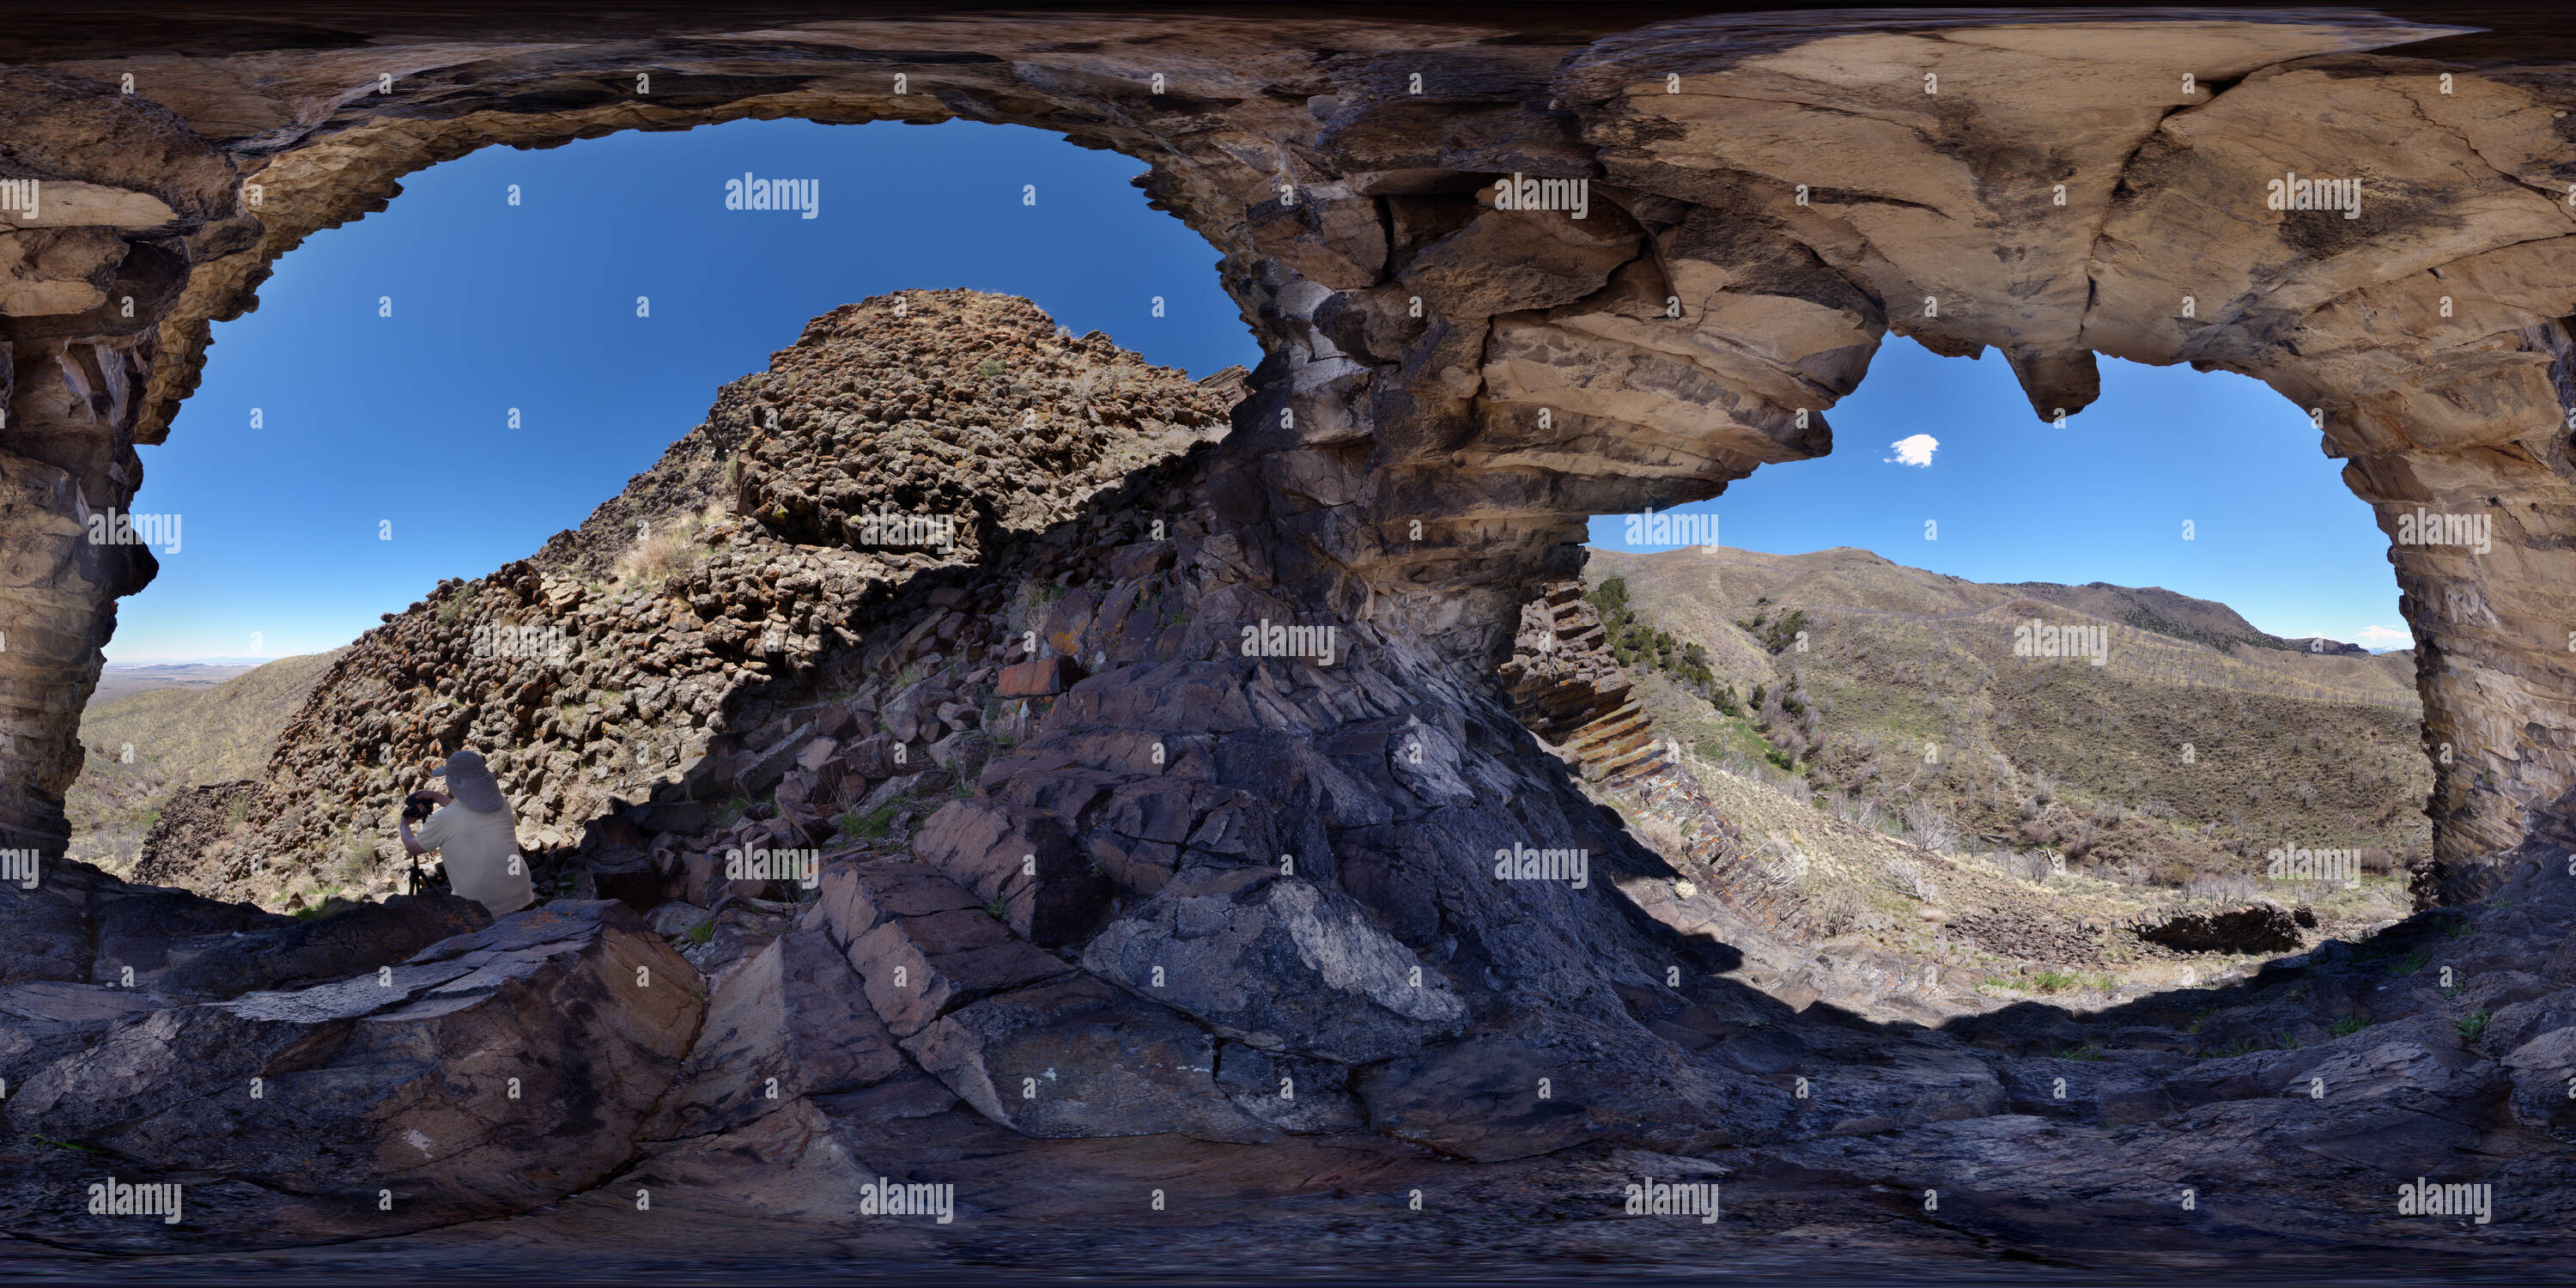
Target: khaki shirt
x,y
482,856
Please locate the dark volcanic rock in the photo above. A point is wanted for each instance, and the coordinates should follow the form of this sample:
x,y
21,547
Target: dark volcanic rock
x,y
490,1073
2254,928
335,947
1077,1057
1279,964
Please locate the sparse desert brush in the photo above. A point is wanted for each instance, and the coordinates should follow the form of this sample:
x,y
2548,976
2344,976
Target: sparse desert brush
x,y
2025,865
2219,887
1658,833
1833,912
1932,829
658,554
1908,877
1780,864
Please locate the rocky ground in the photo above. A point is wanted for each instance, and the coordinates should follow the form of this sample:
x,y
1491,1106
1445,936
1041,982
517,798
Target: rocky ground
x,y
1167,953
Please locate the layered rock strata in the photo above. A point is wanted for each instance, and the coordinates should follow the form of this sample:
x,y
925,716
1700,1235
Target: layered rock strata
x,y
1565,685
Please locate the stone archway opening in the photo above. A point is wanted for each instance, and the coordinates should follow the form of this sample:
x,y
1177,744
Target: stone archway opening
x,y
1875,636
506,268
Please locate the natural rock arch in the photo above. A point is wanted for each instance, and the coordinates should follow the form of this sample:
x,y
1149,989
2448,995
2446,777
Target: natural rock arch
x,y
1791,186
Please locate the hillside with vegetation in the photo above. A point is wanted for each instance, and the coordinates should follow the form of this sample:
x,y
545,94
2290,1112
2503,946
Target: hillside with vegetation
x,y
1892,698
144,747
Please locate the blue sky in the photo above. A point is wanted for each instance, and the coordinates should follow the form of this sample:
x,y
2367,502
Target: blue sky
x,y
2275,533
367,421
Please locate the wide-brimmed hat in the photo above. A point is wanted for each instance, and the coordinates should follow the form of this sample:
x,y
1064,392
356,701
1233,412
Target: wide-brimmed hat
x,y
470,781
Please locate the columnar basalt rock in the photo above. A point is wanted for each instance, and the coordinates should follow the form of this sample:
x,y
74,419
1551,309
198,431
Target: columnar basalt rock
x,y
1455,381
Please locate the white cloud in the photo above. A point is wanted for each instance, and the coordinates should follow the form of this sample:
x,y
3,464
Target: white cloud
x,y
2385,637
1914,451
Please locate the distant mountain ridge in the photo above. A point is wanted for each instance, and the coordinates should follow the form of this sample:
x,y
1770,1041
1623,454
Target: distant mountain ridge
x,y
2166,612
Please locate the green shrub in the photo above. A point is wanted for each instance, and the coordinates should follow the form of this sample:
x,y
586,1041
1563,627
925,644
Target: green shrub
x,y
2473,1025
50,1143
875,823
2347,1026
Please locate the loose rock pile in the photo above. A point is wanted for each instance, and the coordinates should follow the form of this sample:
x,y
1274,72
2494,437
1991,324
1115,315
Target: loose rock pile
x,y
2259,927
2030,936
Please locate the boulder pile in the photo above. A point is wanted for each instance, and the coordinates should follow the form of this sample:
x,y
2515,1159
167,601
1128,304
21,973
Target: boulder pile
x,y
2258,927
